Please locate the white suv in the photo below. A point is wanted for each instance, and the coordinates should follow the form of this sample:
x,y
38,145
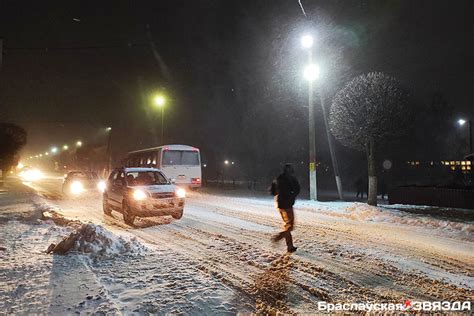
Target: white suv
x,y
142,192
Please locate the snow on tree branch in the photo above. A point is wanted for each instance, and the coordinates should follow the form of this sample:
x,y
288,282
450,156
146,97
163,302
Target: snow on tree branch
x,y
373,106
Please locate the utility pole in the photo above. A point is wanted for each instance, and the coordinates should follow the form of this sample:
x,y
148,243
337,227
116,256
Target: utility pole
x,y
108,152
1,52
313,194
470,136
331,147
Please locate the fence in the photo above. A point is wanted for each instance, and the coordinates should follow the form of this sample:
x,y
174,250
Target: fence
x,y
432,196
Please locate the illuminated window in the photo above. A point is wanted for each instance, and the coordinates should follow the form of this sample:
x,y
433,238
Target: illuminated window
x,y
458,163
463,163
468,162
468,167
452,163
417,163
453,168
463,168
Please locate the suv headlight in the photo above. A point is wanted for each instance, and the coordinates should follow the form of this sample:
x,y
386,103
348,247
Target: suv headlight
x,y
139,195
181,193
101,186
77,187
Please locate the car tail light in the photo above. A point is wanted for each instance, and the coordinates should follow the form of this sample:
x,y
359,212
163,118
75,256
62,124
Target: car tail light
x,y
195,180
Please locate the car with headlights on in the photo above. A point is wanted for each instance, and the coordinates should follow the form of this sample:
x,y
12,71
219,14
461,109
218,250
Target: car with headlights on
x,y
142,192
78,183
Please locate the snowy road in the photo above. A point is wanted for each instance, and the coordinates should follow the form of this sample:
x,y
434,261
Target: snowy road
x,y
219,258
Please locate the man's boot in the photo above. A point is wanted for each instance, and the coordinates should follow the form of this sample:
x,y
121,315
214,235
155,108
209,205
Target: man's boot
x,y
289,242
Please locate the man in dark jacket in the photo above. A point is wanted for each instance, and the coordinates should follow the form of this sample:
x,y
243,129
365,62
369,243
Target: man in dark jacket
x,y
285,188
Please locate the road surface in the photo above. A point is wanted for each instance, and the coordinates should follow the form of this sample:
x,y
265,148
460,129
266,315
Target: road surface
x,y
223,260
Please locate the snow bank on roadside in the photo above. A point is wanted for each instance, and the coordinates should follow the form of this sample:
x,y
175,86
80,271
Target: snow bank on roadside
x,y
97,241
363,212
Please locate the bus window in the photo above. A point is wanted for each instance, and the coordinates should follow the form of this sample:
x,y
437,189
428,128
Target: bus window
x,y
190,158
158,158
180,157
171,157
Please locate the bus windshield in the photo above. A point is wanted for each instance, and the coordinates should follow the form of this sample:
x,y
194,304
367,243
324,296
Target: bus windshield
x,y
180,157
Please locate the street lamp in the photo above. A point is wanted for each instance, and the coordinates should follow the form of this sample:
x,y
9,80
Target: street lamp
x,y
65,147
311,72
78,143
307,41
461,122
54,150
160,101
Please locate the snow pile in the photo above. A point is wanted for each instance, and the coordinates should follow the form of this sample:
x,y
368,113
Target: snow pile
x,y
99,242
364,212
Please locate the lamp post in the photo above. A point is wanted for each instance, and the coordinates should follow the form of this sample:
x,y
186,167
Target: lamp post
x,y
160,101
108,151
461,122
311,73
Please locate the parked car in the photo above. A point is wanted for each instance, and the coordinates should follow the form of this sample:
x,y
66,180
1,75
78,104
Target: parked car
x,y
142,192
77,183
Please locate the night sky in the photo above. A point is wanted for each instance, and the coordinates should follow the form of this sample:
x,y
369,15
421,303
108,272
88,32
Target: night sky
x,y
231,69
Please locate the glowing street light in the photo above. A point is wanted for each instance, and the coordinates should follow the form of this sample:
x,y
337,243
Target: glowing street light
x,y
307,41
46,153
65,147
311,72
78,143
108,129
226,162
160,100
54,150
461,122
41,155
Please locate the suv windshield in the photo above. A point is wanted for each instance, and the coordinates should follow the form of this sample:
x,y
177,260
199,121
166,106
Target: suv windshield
x,y
83,175
135,178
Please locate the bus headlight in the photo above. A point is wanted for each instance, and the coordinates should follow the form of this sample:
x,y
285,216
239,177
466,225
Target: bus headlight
x,y
77,187
181,193
101,186
139,195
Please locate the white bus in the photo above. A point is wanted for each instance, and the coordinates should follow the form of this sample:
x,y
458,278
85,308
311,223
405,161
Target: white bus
x,y
180,163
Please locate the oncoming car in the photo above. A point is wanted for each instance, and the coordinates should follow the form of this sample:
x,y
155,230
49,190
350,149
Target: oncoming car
x,y
76,183
142,192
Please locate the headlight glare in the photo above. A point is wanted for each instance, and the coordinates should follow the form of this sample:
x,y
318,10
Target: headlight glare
x,y
139,195
181,193
101,186
77,187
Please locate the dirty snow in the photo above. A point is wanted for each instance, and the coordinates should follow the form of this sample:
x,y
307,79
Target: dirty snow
x,y
218,258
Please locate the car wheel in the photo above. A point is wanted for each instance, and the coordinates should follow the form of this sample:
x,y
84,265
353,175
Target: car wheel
x,y
178,215
127,217
106,206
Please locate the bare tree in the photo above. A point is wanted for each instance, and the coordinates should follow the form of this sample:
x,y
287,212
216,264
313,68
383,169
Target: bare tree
x,y
371,110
